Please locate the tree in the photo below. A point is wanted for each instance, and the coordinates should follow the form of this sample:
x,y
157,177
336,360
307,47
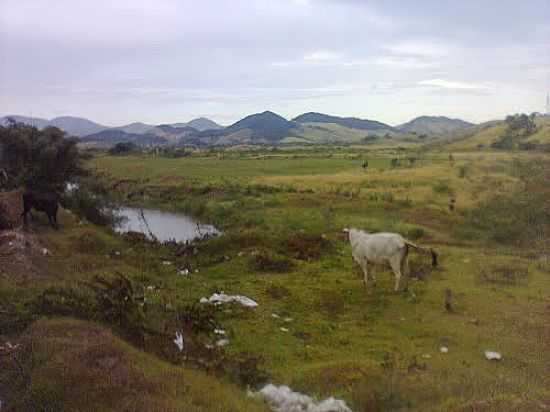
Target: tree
x,y
39,159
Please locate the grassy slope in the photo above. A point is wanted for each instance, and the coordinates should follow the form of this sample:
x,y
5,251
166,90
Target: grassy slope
x,y
339,336
487,135
81,366
366,348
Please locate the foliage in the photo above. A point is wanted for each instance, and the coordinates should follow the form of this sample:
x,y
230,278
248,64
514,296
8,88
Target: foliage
x,y
518,126
123,148
91,199
40,159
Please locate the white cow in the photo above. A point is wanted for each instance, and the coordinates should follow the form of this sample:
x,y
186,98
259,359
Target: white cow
x,y
381,248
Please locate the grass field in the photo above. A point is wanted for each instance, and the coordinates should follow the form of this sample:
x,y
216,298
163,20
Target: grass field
x,y
376,349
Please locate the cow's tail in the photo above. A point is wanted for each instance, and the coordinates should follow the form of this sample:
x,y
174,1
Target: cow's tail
x,y
426,250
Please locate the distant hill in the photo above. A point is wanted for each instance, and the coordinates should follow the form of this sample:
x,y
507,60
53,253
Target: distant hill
x,y
202,123
265,127
77,126
136,128
492,134
74,126
350,122
434,125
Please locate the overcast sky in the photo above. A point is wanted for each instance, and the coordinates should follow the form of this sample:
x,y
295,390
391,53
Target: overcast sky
x,y
157,61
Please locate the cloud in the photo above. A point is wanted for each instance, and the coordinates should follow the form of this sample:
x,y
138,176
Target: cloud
x,y
322,55
448,84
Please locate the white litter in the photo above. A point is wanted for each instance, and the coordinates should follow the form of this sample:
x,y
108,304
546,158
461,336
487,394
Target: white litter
x,y
427,356
284,329
45,252
179,341
284,399
288,319
274,315
166,263
219,298
444,349
183,272
219,331
222,342
491,355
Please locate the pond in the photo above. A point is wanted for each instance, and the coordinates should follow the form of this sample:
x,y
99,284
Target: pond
x,y
164,226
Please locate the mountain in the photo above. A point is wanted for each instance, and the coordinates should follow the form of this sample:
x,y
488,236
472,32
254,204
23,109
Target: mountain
x,y
136,128
77,126
201,124
434,125
259,127
74,126
111,137
350,122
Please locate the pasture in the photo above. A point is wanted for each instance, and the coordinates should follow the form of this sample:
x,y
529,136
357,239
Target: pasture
x,y
316,328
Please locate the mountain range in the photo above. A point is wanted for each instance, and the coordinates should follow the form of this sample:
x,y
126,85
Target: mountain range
x,y
78,126
266,127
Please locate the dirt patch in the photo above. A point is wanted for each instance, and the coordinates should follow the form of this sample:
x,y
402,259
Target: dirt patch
x,y
21,255
307,246
11,207
265,261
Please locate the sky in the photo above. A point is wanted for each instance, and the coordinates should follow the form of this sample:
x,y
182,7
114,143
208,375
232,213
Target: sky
x,y
165,61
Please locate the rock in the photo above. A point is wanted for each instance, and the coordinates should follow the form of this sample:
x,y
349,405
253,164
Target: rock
x,y
444,349
183,272
219,331
491,355
427,356
284,330
275,316
288,319
166,263
45,252
474,321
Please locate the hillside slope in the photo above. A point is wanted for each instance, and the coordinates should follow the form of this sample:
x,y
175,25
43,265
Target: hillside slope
x,y
349,122
433,125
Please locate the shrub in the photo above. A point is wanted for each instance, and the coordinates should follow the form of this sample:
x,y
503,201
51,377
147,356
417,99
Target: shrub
x,y
90,199
441,187
40,159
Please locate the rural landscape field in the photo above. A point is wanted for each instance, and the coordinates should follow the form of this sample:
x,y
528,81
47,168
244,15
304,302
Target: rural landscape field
x,y
274,205
281,212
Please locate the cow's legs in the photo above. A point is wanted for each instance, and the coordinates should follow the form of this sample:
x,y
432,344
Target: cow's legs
x,y
395,264
363,265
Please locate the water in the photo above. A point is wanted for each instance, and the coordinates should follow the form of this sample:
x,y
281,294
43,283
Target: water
x,y
164,226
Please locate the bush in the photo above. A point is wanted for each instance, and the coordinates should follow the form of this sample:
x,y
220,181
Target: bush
x,y
92,200
40,159
442,187
123,148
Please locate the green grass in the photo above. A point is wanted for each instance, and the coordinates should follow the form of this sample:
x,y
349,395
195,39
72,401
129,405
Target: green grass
x,y
368,348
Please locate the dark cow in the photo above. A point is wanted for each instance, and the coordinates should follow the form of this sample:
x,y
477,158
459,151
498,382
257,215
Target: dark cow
x,y
47,202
